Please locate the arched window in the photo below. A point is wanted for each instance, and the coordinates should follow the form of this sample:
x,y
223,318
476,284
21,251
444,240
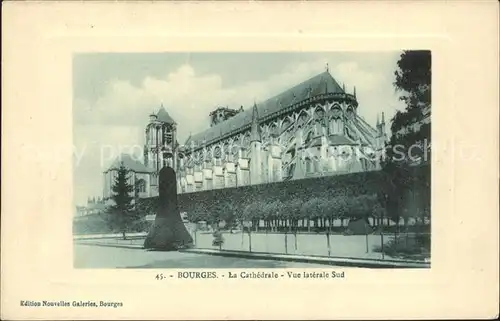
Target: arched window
x,y
350,113
245,141
319,120
225,150
235,152
317,165
141,186
286,124
302,119
309,165
217,155
154,134
168,136
273,129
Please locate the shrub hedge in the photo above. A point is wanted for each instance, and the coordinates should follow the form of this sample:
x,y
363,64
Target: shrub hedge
x,y
346,196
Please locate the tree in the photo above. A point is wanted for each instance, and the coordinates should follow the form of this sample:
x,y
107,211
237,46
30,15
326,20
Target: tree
x,y
122,214
240,218
379,213
224,210
339,208
308,210
413,76
278,210
319,208
218,239
408,128
251,213
305,213
324,208
410,134
214,214
269,212
413,82
195,215
294,212
358,208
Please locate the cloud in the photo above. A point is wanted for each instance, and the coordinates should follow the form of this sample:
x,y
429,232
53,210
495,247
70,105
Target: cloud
x,y
187,96
374,90
352,74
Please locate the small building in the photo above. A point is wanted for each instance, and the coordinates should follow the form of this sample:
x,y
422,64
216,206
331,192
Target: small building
x,y
139,176
93,206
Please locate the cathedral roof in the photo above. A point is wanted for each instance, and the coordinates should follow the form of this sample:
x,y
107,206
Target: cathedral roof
x,y
129,163
319,84
163,116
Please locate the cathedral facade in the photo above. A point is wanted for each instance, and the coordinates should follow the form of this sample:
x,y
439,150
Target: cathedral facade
x,y
312,129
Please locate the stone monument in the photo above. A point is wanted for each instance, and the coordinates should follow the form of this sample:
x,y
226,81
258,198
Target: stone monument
x,y
168,232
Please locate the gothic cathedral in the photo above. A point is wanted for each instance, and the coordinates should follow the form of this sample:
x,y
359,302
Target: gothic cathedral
x,y
310,130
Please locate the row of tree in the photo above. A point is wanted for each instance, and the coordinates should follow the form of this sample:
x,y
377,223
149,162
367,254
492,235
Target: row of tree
x,y
318,213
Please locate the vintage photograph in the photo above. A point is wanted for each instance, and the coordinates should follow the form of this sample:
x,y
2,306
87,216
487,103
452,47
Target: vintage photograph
x,y
252,160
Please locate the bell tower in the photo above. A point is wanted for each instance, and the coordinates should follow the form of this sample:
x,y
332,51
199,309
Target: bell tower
x,y
161,141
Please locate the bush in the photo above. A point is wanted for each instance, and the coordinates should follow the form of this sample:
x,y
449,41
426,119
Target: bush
x,y
347,232
218,238
406,246
424,241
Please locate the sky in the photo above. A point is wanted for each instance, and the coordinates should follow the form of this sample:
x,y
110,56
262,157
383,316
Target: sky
x,y
114,93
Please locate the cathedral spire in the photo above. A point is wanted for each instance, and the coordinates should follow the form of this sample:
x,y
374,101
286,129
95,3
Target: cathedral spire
x,y
255,131
382,126
354,91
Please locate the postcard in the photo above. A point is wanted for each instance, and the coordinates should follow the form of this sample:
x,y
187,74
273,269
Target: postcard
x,y
250,161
